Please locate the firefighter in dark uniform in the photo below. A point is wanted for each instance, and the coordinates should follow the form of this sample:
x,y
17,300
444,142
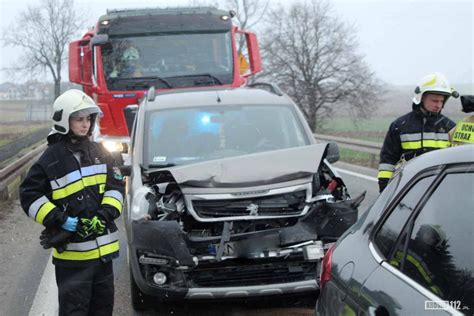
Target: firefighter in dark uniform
x,y
76,193
422,130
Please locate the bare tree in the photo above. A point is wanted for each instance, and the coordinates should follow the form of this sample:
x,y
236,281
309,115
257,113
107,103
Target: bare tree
x,y
44,31
312,56
248,14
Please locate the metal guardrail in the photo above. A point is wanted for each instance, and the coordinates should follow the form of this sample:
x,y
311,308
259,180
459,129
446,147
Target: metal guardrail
x,y
11,175
15,170
371,148
13,148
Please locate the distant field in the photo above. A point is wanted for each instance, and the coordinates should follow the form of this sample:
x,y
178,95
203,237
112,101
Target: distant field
x,y
9,133
373,129
395,102
14,111
22,117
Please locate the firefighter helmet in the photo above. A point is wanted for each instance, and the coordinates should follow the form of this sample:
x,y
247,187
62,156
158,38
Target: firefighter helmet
x,y
69,103
431,235
467,102
435,83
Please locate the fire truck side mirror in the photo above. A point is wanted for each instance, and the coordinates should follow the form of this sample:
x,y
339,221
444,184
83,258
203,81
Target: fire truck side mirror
x,y
80,63
254,53
80,58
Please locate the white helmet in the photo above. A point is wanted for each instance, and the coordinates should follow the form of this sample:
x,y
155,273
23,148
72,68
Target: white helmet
x,y
71,101
435,83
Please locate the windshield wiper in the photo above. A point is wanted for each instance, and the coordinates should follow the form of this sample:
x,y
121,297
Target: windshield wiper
x,y
164,165
212,78
141,81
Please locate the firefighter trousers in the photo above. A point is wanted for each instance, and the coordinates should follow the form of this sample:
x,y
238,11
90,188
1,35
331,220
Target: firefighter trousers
x,y
86,291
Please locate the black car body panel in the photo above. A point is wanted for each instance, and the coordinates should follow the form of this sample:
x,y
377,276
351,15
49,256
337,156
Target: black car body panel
x,y
363,281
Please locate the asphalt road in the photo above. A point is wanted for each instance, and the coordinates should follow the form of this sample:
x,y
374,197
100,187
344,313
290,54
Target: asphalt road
x,y
28,285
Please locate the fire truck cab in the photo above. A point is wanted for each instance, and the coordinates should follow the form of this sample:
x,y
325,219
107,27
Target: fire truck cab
x,y
131,50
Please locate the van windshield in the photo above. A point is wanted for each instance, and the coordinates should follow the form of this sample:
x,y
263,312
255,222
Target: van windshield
x,y
182,136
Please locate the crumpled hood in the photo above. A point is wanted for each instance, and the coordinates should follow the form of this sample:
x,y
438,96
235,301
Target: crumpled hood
x,y
254,169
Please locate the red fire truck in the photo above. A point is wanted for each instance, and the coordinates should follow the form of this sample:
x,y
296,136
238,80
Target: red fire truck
x,y
131,50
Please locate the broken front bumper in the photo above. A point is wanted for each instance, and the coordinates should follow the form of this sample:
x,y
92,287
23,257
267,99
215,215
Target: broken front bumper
x,y
237,269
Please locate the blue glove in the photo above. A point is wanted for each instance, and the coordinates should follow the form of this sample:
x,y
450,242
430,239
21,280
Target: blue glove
x,y
70,224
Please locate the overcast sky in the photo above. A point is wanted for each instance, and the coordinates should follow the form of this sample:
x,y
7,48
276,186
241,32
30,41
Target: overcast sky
x,y
402,40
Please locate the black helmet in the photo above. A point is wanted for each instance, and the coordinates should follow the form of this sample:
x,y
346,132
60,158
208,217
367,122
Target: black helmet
x,y
467,102
431,235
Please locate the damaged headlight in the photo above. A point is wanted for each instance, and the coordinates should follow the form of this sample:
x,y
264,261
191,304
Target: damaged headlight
x,y
140,203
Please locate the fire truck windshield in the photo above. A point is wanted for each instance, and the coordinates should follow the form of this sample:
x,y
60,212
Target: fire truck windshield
x,y
168,61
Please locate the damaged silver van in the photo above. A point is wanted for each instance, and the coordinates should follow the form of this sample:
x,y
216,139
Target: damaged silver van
x,y
228,196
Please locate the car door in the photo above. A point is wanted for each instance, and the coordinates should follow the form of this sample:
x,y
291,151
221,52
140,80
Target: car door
x,y
425,248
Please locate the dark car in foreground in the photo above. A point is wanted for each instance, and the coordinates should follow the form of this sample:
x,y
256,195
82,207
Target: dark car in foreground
x,y
228,196
412,252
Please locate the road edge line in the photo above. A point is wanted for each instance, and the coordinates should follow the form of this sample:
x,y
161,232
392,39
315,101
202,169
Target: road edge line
x,y
45,302
356,174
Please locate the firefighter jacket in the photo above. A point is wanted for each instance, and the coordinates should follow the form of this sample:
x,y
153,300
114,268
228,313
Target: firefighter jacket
x,y
59,185
463,133
409,136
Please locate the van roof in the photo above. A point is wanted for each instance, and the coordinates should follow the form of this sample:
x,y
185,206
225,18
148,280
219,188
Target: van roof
x,y
217,97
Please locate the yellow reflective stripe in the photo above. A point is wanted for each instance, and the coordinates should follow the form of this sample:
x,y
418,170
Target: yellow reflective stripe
x,y
420,268
68,190
93,180
396,262
426,143
78,186
87,255
44,210
436,143
347,311
111,201
385,174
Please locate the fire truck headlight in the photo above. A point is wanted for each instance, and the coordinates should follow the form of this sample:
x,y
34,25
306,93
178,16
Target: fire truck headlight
x,y
113,146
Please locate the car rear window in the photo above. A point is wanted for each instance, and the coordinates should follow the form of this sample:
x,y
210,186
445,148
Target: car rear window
x,y
440,254
386,238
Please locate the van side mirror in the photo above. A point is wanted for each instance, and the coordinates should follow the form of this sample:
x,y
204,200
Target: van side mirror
x,y
126,170
332,152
